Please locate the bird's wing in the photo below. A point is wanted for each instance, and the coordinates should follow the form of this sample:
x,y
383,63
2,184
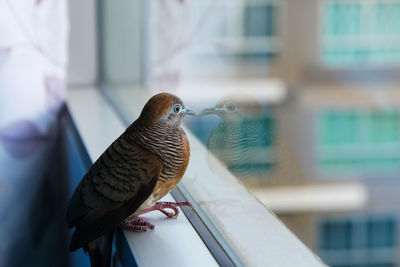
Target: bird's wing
x,y
114,187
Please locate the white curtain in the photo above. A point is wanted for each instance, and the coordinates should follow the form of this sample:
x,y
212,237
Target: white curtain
x,y
33,58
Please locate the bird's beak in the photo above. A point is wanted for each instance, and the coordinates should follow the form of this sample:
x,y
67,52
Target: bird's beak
x,y
188,111
208,111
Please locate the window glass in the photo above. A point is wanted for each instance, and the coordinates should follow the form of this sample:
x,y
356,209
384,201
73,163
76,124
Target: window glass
x,y
305,141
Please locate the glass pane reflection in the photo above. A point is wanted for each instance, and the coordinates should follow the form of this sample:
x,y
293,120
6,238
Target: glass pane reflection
x,y
243,137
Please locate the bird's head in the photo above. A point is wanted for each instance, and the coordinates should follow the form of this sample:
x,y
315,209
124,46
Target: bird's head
x,y
234,107
165,108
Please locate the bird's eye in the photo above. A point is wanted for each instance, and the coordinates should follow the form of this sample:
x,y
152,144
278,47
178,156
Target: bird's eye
x,y
230,106
177,108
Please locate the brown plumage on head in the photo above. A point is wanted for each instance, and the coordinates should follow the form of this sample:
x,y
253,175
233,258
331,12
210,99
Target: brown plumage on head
x,y
157,106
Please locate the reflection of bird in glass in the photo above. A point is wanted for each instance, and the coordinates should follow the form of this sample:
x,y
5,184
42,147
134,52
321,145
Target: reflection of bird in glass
x,y
243,138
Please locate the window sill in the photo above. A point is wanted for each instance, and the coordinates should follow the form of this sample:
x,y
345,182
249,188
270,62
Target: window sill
x,y
256,236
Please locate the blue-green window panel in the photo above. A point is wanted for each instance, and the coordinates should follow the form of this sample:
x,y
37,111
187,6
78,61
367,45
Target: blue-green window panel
x,y
370,38
371,166
342,18
359,140
260,20
387,18
340,127
343,57
359,241
353,233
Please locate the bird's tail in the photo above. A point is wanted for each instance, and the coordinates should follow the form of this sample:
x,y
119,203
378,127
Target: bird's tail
x,y
100,250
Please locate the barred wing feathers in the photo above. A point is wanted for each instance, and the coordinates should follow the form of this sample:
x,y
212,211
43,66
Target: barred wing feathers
x,y
114,187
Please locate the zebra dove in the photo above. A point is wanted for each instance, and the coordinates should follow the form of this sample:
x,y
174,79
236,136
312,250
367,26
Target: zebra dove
x,y
140,167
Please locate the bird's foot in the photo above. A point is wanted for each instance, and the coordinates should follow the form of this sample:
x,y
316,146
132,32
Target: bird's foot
x,y
162,205
137,225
